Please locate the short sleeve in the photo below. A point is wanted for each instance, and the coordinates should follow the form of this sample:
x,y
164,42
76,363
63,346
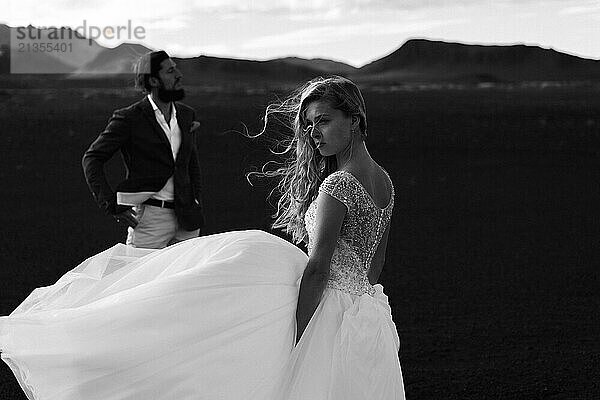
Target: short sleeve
x,y
339,186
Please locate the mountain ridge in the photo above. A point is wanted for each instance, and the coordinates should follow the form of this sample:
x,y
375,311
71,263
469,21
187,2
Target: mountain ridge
x,y
425,59
416,60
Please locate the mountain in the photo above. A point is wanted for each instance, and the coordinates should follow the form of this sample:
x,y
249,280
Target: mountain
x,y
417,60
205,70
4,35
426,60
67,53
327,67
118,60
4,49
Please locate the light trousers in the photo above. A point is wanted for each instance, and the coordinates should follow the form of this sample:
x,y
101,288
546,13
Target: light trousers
x,y
157,228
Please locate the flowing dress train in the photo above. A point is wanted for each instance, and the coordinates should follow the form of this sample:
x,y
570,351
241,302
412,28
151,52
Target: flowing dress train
x,y
213,318
208,318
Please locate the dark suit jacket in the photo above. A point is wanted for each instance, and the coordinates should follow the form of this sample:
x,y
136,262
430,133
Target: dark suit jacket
x,y
148,160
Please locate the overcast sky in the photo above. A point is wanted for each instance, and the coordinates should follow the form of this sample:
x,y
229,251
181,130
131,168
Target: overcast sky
x,y
353,31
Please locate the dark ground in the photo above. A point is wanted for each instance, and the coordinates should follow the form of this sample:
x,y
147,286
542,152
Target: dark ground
x,y
492,267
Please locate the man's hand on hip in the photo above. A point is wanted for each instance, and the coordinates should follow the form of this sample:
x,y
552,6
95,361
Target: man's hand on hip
x,y
127,217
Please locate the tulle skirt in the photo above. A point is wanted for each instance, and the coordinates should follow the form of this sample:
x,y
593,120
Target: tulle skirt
x,y
208,318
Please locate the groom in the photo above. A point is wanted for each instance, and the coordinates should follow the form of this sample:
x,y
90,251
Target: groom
x,y
160,198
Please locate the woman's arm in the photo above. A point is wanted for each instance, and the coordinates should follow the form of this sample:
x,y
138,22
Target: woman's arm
x,y
328,223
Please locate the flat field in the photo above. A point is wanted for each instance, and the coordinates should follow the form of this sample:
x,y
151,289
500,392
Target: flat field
x,y
492,267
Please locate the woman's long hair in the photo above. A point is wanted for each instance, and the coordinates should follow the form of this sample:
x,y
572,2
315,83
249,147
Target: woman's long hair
x,y
304,168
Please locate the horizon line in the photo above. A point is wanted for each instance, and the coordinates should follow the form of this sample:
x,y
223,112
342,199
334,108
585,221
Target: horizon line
x,y
337,60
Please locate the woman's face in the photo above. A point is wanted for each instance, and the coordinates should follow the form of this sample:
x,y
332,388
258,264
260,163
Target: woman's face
x,y
330,129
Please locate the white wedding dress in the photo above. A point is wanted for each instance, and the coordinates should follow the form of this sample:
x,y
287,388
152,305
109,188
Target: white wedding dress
x,y
212,318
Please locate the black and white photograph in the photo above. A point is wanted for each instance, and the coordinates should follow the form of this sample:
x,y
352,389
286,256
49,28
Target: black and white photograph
x,y
300,200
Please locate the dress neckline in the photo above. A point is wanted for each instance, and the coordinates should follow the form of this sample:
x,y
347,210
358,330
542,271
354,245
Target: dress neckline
x,y
367,192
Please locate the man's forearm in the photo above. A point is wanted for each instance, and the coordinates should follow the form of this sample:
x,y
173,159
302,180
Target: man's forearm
x,y
99,152
93,170
195,175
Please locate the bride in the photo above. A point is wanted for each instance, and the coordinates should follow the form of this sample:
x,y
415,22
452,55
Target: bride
x,y
243,314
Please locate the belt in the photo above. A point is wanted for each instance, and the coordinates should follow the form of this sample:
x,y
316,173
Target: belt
x,y
160,203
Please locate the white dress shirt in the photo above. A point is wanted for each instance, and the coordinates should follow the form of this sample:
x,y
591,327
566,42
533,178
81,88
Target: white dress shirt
x,y
173,133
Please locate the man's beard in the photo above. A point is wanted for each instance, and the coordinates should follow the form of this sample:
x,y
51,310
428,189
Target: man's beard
x,y
170,95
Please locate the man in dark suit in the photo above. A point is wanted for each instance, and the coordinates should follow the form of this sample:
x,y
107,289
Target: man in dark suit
x,y
160,198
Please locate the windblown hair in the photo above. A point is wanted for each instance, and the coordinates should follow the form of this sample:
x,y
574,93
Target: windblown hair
x,y
304,168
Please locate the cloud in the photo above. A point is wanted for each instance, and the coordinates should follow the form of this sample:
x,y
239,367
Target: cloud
x,y
298,8
314,9
107,12
179,50
178,22
331,34
590,7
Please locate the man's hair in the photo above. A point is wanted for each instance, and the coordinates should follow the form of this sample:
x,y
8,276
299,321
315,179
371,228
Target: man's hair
x,y
147,66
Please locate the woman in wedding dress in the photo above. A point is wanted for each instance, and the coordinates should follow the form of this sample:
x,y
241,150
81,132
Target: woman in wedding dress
x,y
243,314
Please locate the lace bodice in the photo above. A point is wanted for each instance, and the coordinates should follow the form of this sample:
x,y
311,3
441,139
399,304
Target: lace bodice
x,y
362,230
